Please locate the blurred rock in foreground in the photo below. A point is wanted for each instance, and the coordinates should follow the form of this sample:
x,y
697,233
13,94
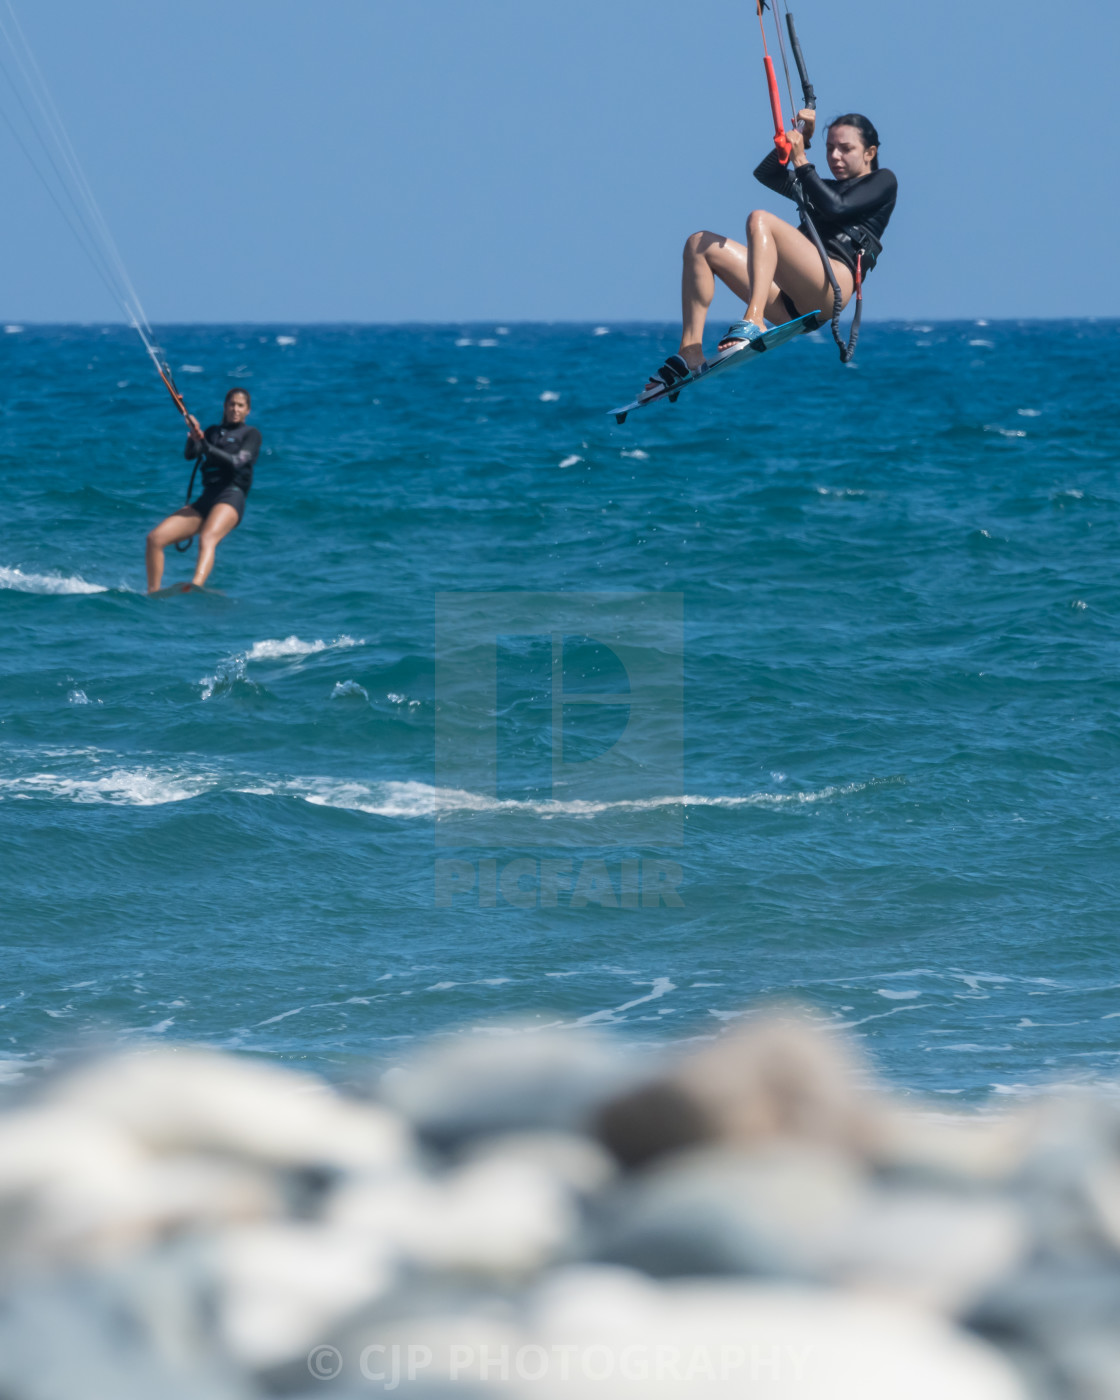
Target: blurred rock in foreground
x,y
550,1215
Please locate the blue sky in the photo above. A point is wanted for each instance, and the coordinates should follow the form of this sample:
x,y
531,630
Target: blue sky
x,y
474,160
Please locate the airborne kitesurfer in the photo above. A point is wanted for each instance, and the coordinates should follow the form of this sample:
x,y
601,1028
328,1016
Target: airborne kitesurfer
x,y
779,273
226,453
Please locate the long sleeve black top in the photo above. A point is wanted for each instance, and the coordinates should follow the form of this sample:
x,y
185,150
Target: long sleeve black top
x,y
850,215
228,455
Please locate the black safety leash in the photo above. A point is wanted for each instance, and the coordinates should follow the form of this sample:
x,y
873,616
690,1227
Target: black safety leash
x,y
183,545
847,349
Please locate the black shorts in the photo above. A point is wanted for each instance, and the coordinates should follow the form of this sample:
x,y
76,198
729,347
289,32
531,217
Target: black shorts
x,y
227,495
792,311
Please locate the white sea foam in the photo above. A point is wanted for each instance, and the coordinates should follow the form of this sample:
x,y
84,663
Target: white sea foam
x,y
94,775
550,396
275,650
487,343
571,461
272,1020
190,369
983,344
119,787
77,697
1029,412
661,986
13,330
414,799
601,330
349,690
285,340
232,669
637,454
46,583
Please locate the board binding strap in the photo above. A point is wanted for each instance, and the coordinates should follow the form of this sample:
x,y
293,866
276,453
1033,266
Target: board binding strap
x,y
742,353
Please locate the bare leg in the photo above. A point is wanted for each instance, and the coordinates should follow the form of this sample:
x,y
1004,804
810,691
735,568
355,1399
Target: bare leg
x,y
777,258
706,257
180,526
781,256
221,520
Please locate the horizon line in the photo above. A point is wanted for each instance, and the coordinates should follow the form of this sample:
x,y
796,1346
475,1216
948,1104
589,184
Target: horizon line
x,y
16,325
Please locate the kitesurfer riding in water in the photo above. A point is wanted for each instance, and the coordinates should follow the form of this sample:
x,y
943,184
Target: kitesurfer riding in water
x,y
780,273
226,453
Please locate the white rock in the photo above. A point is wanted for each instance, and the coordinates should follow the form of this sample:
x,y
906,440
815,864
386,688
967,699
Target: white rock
x,y
42,1145
131,1334
579,1163
284,1285
201,1100
931,1248
490,1216
784,1209
1102,1189
460,1088
952,1147
99,1217
626,1338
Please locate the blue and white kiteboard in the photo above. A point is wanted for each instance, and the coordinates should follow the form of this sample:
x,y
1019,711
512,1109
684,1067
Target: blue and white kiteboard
x,y
739,354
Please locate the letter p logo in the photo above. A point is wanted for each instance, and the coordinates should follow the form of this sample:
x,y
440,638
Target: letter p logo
x,y
559,719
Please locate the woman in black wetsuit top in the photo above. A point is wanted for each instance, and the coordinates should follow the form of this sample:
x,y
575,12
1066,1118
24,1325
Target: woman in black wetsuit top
x,y
779,273
227,451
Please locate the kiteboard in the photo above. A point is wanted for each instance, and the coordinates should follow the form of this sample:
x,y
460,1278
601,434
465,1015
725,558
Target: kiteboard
x,y
176,590
739,354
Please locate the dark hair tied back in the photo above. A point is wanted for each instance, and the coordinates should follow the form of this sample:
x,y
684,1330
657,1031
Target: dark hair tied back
x,y
868,135
244,394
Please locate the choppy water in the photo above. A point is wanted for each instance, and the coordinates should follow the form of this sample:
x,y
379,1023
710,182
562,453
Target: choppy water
x,y
220,811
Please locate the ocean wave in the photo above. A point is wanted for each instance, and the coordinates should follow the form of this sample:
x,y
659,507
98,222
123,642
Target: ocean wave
x,y
46,583
119,787
231,671
276,650
349,690
415,799
227,674
86,775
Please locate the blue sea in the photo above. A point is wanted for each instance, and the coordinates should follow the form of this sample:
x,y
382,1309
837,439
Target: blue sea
x,y
806,688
